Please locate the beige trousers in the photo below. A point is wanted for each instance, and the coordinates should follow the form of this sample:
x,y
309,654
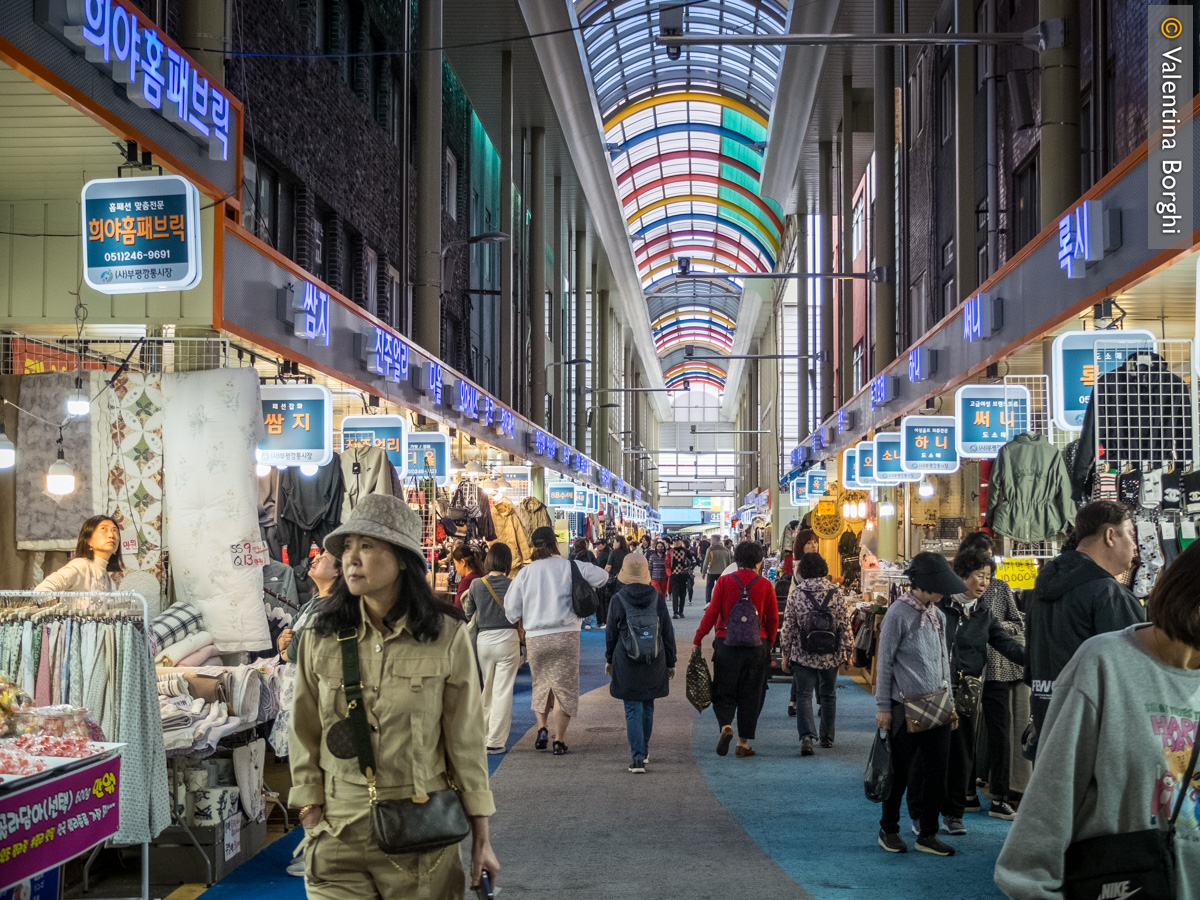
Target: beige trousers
x,y
499,652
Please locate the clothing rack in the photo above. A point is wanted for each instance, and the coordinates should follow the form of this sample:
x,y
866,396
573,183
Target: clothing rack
x,y
91,601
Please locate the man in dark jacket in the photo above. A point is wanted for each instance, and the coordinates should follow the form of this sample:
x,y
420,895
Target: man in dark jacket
x,y
640,651
1077,596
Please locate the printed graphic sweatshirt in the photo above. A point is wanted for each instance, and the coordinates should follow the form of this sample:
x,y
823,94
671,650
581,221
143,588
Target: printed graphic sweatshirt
x,y
1114,750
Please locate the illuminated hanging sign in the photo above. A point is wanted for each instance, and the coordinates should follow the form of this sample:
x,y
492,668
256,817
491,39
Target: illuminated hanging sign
x,y
847,420
565,455
796,492
1081,238
850,468
141,234
922,363
814,483
383,353
927,444
385,431
428,456
306,311
605,478
982,317
508,423
883,390
155,72
297,425
988,416
583,465
1075,368
467,401
866,464
561,495
433,381
888,467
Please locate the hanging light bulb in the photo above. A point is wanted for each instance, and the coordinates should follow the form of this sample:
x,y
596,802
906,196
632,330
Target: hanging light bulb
x,y
309,469
8,453
474,468
887,508
488,486
60,479
846,513
504,484
925,489
77,402
262,471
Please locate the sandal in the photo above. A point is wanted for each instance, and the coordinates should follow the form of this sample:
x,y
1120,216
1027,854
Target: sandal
x,y
543,738
726,739
742,752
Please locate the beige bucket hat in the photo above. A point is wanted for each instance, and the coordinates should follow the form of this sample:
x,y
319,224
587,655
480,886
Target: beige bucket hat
x,y
379,516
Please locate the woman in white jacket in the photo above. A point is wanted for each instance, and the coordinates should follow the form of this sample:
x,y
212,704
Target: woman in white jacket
x,y
540,598
97,558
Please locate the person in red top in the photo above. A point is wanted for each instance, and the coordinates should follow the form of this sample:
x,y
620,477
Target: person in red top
x,y
740,673
468,565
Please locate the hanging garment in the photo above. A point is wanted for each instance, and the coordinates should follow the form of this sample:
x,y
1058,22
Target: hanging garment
x,y
478,508
146,809
1140,412
1029,494
279,587
1129,489
1151,495
511,530
365,470
534,514
309,508
268,512
1172,489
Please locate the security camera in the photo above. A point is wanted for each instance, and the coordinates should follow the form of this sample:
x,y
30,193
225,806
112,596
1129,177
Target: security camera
x,y
689,350
670,22
685,264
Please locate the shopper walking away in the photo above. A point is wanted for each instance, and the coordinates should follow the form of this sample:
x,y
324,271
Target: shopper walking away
x,y
1115,750
745,614
469,566
659,567
970,630
581,552
913,660
1077,596
385,611
640,655
540,598
816,640
605,548
680,568
805,541
718,557
497,644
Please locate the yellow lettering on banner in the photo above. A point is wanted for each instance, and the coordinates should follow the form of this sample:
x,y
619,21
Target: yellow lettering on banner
x,y
984,418
1089,374
942,442
301,420
921,441
274,423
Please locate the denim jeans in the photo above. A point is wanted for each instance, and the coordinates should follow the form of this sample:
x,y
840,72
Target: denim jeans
x,y
639,722
824,682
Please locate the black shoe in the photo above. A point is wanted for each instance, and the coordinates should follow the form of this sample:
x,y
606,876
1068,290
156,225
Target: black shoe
x,y
723,743
543,737
826,744
972,805
1002,810
806,748
893,843
792,710
560,749
931,844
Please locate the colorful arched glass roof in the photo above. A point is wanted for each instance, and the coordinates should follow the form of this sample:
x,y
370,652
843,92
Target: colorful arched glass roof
x,y
686,142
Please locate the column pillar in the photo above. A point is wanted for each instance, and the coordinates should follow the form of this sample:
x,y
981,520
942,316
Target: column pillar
x,y
966,263
507,332
846,248
825,266
556,314
803,286
427,312
577,379
537,275
885,187
1060,114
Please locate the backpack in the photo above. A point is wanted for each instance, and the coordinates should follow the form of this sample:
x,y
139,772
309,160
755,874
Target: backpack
x,y
640,640
744,628
818,632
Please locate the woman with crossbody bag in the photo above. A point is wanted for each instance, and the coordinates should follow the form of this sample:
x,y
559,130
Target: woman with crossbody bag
x,y
387,756
497,644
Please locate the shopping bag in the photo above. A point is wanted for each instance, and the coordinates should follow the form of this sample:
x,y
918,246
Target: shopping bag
x,y
699,682
877,781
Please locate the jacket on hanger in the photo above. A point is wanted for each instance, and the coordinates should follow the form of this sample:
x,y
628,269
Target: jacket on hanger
x,y
1029,492
468,497
1140,412
512,531
309,508
534,514
365,470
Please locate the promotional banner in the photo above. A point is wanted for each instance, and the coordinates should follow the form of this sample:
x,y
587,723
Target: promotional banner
x,y
850,469
141,234
297,425
814,483
429,456
1075,368
888,446
927,444
388,432
988,416
866,464
43,826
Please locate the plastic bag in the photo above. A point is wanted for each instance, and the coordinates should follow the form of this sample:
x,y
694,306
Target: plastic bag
x,y
877,781
699,682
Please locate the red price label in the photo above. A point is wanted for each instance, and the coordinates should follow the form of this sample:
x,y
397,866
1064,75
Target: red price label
x,y
249,553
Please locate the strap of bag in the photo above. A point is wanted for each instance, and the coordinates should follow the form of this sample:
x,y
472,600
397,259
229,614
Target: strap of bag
x,y
1187,780
495,596
356,713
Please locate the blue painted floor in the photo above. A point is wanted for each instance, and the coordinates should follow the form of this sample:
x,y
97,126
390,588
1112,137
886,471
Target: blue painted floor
x,y
810,815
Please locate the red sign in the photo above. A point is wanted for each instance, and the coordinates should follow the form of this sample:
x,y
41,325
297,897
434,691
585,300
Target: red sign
x,y
45,825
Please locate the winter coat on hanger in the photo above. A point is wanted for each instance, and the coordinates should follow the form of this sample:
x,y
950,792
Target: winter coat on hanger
x,y
510,530
1029,492
365,470
534,514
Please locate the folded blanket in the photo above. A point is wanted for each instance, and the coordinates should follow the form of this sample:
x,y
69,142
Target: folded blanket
x,y
170,656
199,657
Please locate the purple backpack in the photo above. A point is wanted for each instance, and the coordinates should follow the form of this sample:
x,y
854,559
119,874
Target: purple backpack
x,y
744,628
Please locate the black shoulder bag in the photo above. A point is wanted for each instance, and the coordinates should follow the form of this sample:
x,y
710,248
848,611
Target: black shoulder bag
x,y
418,825
584,602
1139,862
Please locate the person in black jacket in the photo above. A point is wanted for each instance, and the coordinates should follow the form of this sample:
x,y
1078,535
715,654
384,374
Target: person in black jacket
x,y
639,681
1077,596
970,629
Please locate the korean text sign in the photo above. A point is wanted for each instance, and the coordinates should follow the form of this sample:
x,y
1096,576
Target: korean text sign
x,y
850,468
866,464
888,468
561,495
297,425
1075,368
988,416
45,825
814,483
928,444
388,432
429,456
795,491
141,234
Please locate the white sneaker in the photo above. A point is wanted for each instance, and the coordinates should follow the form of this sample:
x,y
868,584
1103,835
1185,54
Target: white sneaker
x,y
296,867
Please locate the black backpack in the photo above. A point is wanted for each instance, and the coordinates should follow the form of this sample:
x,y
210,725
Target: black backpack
x,y
743,629
818,631
641,640
584,601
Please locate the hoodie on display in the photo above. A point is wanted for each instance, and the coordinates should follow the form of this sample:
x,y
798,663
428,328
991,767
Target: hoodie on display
x,y
635,680
1073,600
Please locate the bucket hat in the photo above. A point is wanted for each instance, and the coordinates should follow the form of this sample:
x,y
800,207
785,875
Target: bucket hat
x,y
379,516
634,570
931,572
544,536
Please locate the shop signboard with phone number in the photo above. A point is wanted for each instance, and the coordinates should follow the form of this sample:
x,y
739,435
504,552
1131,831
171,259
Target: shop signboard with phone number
x,y
388,432
297,425
814,483
888,449
1075,367
988,416
928,445
428,456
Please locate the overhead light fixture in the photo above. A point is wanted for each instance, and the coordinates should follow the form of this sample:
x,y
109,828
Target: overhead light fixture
x,y
862,509
8,453
488,486
60,479
77,402
846,511
263,471
925,489
887,508
504,484
309,469
474,468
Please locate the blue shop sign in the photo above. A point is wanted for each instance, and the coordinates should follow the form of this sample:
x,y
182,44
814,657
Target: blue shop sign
x,y
384,353
814,483
297,425
433,382
1081,238
981,317
386,431
883,390
508,423
429,456
922,362
850,468
46,886
796,492
866,464
141,234
927,444
1079,358
561,496
988,416
308,313
888,468
468,399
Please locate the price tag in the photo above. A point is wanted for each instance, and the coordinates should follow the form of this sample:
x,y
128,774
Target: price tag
x,y
249,553
1020,573
233,836
1168,531
129,546
1187,530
